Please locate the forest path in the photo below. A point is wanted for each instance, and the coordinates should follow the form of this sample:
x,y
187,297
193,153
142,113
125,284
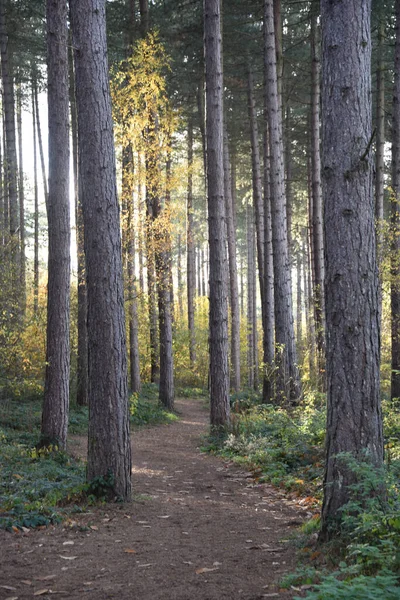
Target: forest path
x,y
199,528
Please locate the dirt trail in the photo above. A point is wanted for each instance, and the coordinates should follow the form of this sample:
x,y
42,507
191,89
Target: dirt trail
x,y
199,529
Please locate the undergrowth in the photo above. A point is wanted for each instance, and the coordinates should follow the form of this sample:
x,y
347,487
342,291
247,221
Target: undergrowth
x,y
286,448
39,487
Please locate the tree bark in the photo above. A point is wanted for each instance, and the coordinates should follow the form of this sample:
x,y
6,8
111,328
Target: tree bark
x,y
21,198
268,325
317,228
233,279
36,207
56,389
82,358
395,219
190,255
250,296
40,142
219,370
287,380
380,127
354,419
109,450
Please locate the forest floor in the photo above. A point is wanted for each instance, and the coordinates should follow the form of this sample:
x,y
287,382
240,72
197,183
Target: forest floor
x,y
199,528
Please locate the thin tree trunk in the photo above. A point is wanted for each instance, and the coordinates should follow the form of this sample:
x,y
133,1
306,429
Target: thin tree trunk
x,y
82,388
10,162
21,197
233,279
317,221
380,128
203,278
299,311
36,209
144,17
250,295
308,303
288,184
354,419
219,369
256,178
56,390
180,281
39,135
162,261
288,381
109,450
395,219
190,250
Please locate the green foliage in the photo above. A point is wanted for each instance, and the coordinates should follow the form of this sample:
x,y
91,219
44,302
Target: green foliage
x,y
34,483
362,587
145,408
286,447
101,487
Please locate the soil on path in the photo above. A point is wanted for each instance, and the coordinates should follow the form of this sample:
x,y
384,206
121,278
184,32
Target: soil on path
x,y
199,528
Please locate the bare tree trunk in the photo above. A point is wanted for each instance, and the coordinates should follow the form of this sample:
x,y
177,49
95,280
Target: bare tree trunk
x,y
39,135
395,219
127,196
190,250
288,184
21,197
299,311
144,17
203,278
140,222
180,281
163,260
82,388
109,450
354,419
151,280
308,303
36,209
233,280
250,296
219,369
56,389
268,325
10,158
256,178
288,381
317,221
380,127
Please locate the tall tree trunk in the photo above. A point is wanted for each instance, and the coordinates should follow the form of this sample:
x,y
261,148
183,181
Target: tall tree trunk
x,y
256,179
317,221
219,369
151,278
354,419
10,155
250,296
21,198
288,183
144,17
233,279
180,281
109,450
162,260
39,135
299,311
380,126
190,251
129,250
56,389
268,325
395,219
288,381
308,304
133,309
82,358
36,207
